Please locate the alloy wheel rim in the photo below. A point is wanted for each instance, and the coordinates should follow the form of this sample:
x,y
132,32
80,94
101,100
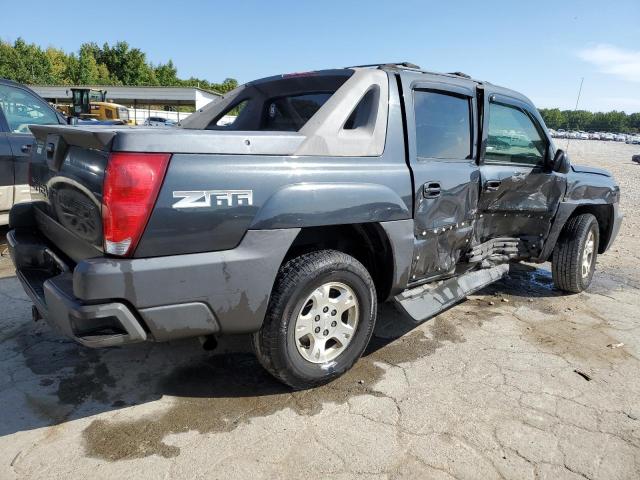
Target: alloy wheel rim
x,y
587,254
327,322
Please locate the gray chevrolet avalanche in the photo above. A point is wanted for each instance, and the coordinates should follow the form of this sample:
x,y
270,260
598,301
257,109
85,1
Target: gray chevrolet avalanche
x,y
293,205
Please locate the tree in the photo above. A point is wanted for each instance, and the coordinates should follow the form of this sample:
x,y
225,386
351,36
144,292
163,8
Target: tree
x,y
25,63
633,122
613,121
87,71
226,86
128,66
553,118
167,74
578,119
59,63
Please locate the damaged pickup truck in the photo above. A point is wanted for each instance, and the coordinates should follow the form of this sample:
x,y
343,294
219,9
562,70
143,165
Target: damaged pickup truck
x,y
329,192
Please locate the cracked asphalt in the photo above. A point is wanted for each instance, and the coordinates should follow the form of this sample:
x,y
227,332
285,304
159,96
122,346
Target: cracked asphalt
x,y
517,382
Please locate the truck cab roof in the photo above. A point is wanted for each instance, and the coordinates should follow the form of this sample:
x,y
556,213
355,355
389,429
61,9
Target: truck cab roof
x,y
457,78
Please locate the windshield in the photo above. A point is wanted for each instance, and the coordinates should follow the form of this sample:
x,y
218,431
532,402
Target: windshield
x,y
281,103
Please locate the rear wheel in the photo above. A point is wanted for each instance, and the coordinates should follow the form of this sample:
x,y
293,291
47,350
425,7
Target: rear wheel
x,y
574,257
319,321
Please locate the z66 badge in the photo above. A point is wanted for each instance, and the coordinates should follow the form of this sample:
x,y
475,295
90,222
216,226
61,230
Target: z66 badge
x,y
205,198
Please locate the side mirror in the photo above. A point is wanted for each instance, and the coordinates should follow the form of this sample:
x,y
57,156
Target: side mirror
x,y
560,162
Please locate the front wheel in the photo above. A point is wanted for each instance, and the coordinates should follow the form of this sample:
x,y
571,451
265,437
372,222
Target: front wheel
x,y
574,256
320,318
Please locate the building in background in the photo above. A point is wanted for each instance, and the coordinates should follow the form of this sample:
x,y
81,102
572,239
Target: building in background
x,y
143,102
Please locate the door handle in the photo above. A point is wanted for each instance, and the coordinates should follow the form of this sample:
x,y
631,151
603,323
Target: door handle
x,y
492,185
26,148
431,190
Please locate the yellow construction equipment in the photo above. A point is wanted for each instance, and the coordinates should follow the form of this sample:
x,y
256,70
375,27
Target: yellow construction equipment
x,y
88,103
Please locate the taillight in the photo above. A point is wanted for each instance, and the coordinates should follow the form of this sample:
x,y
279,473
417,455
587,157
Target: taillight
x,y
131,185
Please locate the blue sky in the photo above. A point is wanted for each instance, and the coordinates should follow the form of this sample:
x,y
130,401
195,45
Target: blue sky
x,y
541,48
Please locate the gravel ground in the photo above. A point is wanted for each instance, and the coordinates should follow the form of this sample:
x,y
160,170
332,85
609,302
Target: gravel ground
x,y
517,382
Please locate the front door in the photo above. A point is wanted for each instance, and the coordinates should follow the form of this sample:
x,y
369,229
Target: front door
x,y
6,174
441,126
21,108
519,192
21,145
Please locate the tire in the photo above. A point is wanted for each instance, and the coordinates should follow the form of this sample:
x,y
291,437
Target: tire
x,y
297,295
569,254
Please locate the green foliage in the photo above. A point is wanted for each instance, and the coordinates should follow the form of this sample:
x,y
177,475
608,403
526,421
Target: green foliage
x,y
121,64
117,64
613,121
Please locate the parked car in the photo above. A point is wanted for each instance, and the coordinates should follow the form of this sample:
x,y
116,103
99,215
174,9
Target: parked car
x,y
583,136
561,133
635,158
19,108
609,137
159,122
329,192
619,137
594,136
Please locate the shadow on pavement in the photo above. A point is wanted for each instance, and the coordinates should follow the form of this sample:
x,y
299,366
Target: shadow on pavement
x,y
48,380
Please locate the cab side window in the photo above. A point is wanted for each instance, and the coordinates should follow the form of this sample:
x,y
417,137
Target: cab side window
x,y
22,109
443,125
513,137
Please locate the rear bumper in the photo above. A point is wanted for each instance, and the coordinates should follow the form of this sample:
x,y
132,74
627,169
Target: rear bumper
x,y
48,283
105,301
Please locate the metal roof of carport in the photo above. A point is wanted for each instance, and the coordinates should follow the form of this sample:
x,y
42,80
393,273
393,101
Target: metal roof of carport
x,y
140,95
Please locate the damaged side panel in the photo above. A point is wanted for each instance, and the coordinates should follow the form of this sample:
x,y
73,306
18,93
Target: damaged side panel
x,y
586,189
522,205
592,189
441,125
444,225
521,189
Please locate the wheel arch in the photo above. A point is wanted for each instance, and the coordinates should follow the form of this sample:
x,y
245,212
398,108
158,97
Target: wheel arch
x,y
369,243
604,213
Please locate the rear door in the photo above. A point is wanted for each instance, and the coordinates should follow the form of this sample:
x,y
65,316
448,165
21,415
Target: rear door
x,y
22,108
441,123
519,194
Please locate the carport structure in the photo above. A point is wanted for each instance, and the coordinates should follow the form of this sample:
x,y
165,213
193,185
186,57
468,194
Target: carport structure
x,y
139,98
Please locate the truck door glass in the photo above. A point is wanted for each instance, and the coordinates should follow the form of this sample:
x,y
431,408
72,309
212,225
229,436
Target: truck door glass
x,y
513,137
443,125
22,109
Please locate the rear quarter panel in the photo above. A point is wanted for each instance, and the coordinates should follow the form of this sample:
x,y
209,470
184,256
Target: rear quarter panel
x,y
287,192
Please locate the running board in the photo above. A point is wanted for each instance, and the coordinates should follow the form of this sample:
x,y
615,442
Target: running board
x,y
428,300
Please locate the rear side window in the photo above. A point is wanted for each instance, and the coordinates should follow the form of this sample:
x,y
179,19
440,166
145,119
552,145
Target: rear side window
x,y
282,114
228,118
443,125
291,113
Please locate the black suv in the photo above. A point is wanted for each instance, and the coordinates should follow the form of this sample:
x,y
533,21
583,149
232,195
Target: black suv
x,y
19,108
